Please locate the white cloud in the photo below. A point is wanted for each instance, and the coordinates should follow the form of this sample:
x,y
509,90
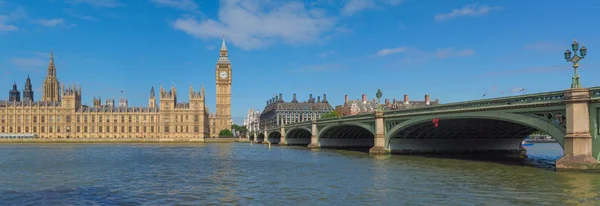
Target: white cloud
x,y
8,27
51,22
187,5
545,47
326,54
354,6
6,18
29,64
388,51
99,3
72,13
451,52
255,24
469,10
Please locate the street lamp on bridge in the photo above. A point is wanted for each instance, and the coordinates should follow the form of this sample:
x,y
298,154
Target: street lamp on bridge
x,y
575,60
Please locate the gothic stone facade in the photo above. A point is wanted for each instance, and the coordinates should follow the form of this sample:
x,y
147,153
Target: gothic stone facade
x,y
60,114
278,112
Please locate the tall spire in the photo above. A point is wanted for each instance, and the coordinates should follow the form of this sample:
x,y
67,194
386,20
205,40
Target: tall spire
x,y
202,89
223,46
51,68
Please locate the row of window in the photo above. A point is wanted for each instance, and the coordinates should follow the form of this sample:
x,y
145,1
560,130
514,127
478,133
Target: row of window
x,y
178,118
178,129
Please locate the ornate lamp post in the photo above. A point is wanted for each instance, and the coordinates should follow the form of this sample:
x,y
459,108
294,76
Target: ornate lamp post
x,y
575,60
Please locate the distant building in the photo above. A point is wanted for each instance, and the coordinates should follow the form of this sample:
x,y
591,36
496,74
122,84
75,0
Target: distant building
x,y
252,121
394,105
61,114
213,125
352,107
339,110
278,112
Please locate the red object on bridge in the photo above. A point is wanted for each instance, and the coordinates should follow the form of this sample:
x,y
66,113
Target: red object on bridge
x,y
436,122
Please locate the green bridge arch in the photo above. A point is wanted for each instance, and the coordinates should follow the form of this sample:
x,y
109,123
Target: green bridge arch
x,y
290,133
526,120
345,124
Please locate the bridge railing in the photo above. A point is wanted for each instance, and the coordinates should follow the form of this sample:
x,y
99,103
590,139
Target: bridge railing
x,y
347,117
546,97
594,93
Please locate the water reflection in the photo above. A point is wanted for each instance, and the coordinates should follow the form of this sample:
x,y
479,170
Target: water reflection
x,y
379,177
582,188
241,174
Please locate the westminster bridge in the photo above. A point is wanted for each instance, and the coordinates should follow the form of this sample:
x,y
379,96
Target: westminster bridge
x,y
489,125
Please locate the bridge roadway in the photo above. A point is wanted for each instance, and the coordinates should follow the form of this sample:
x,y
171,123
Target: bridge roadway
x,y
489,125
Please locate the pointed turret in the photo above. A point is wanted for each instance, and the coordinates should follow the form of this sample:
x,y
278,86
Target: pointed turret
x,y
223,46
152,92
14,95
223,59
152,99
202,89
51,88
51,67
28,91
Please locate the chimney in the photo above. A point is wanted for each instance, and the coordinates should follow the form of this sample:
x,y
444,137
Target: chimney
x,y
364,98
324,98
346,99
387,102
310,98
427,99
294,100
406,99
318,99
281,97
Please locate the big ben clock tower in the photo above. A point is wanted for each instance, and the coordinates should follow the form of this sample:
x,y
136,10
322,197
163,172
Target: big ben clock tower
x,y
223,80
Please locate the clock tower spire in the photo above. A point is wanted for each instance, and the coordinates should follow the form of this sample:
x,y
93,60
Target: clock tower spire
x,y
223,81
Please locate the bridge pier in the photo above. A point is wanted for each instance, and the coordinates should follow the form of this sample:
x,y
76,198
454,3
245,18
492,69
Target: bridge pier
x,y
314,138
578,140
379,144
266,139
282,138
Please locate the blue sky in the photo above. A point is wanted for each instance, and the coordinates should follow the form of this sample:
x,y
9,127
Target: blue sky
x,y
453,50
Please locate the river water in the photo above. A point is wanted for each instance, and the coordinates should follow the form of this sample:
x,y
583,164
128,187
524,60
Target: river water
x,y
244,174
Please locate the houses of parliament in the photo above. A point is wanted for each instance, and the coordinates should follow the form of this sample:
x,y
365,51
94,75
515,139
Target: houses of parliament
x,y
60,113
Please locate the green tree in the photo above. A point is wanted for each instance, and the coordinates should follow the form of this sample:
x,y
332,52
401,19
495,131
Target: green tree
x,y
239,128
330,114
225,133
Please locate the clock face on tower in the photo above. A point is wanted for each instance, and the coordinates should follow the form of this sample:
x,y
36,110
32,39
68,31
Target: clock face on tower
x,y
223,75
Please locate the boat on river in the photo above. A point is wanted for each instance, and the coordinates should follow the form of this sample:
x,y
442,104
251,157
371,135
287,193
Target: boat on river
x,y
525,144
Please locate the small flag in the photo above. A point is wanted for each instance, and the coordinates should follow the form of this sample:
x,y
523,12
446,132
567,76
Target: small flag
x,y
436,122
121,91
483,95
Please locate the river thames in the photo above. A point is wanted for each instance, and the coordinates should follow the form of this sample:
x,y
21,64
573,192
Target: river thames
x,y
244,174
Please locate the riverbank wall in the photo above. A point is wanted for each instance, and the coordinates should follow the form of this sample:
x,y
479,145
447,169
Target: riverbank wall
x,y
118,141
541,141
